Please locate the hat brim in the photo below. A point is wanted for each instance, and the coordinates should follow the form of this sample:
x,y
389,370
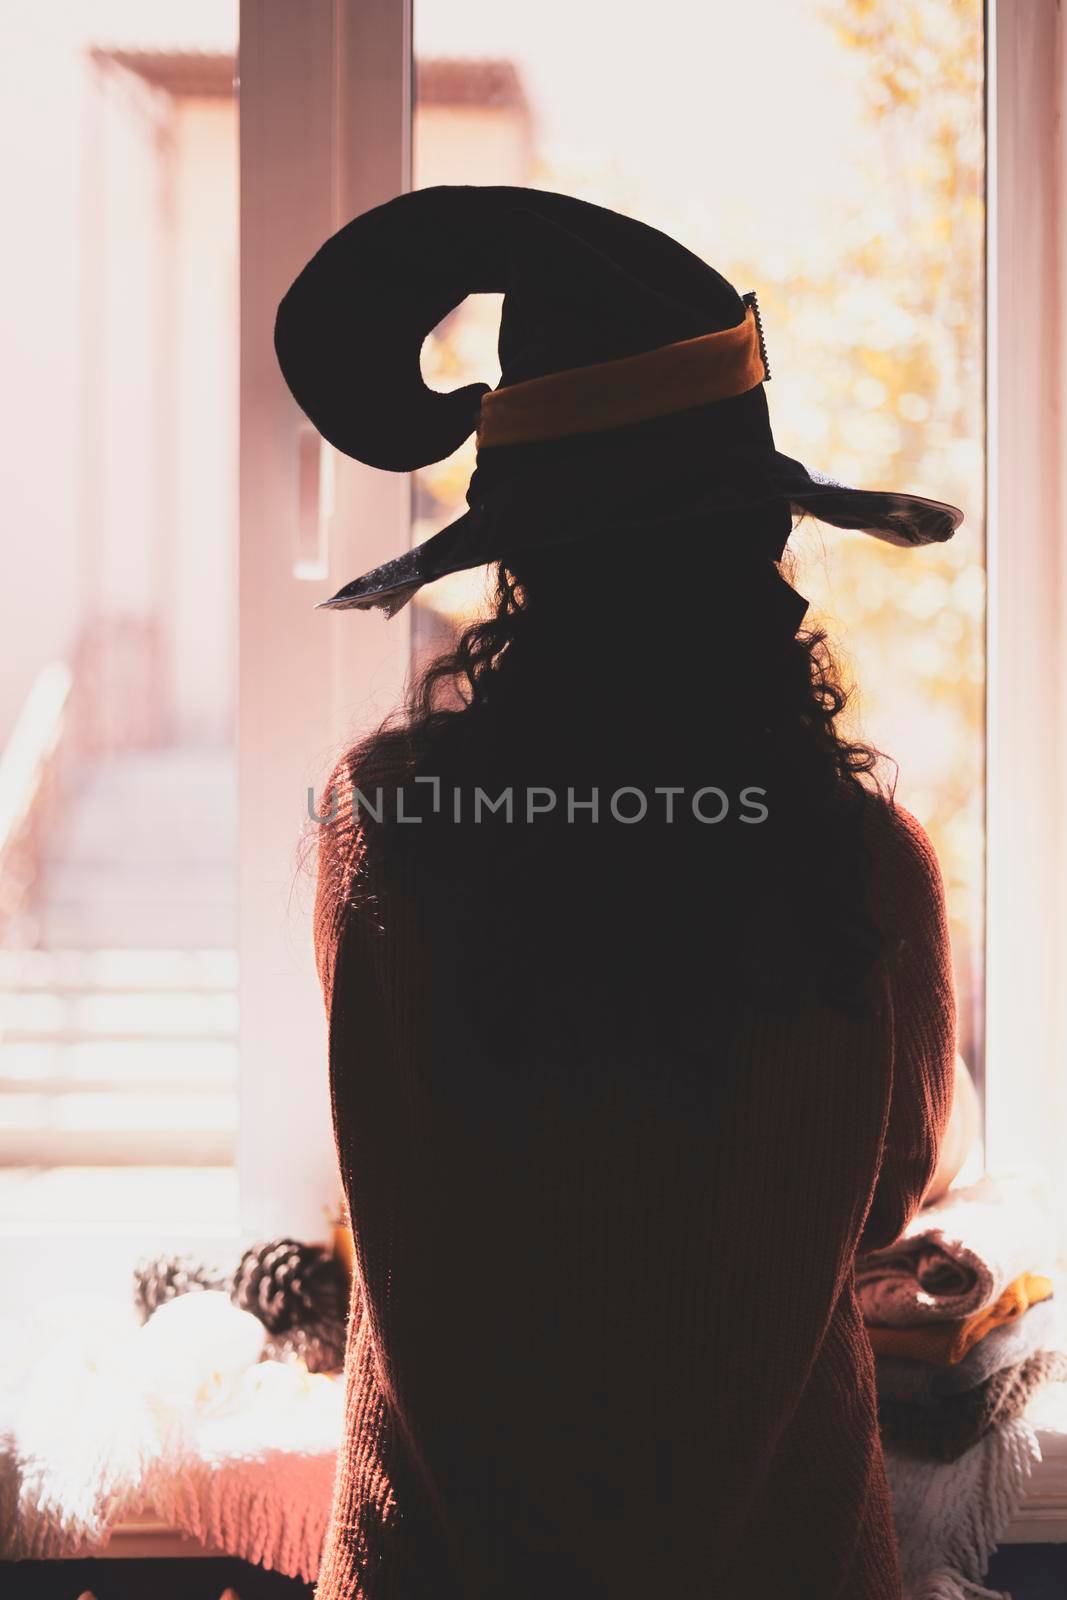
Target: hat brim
x,y
516,517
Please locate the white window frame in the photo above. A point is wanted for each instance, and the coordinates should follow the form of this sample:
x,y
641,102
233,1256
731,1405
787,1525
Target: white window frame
x,y
1026,663
325,109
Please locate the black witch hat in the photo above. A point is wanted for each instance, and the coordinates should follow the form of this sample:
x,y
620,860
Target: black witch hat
x,y
631,391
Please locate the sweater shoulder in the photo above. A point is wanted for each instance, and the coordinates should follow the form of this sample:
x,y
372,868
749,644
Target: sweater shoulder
x,y
341,834
363,860
908,896
340,843
905,861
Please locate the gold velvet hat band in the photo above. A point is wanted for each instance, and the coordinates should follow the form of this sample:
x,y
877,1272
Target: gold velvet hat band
x,y
674,377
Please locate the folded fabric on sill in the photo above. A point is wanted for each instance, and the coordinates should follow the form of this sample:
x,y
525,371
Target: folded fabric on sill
x,y
920,1383
948,1343
961,1317
942,1432
958,1256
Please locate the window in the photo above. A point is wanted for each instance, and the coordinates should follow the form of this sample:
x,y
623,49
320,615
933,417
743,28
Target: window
x,y
118,980
842,173
853,202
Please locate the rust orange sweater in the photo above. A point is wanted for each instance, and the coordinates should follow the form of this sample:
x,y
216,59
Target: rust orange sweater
x,y
604,1342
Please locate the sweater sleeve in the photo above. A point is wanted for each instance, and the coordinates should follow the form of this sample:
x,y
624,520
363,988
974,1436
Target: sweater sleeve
x,y
361,1504
912,913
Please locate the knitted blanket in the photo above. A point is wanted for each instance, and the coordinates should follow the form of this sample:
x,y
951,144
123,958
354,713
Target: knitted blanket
x,y
101,1420
951,1517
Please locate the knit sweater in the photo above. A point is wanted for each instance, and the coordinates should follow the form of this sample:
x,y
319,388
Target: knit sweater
x,y
604,1337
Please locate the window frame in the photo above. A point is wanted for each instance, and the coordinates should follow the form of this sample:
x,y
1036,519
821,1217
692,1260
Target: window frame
x,y
1026,657
325,107
325,133
365,65
326,89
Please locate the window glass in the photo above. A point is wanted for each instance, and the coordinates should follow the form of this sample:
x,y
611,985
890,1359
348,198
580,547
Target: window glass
x,y
118,1070
830,155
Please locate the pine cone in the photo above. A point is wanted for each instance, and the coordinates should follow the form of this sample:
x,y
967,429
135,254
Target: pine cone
x,y
157,1279
320,1346
289,1285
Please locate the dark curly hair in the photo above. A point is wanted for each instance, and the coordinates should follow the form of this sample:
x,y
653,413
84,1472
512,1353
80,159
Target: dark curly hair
x,y
643,664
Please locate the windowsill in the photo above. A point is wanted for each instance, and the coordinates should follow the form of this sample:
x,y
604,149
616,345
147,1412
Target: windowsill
x,y
147,1538
111,1201
96,1261
86,1228
1042,1519
34,1252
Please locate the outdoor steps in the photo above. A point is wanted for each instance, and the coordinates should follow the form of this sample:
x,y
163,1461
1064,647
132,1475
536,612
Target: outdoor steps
x,y
118,1056
111,905
118,1028
142,854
